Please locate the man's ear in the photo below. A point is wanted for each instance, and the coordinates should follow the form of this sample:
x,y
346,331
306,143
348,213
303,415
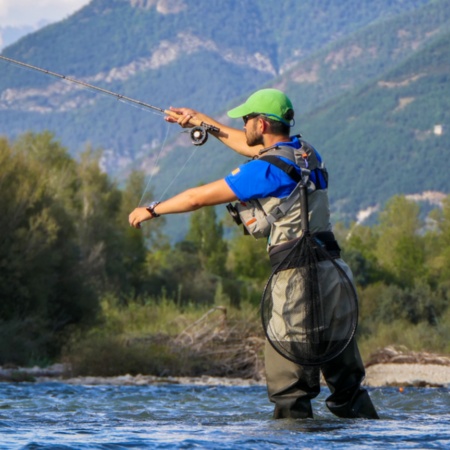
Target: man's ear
x,y
265,126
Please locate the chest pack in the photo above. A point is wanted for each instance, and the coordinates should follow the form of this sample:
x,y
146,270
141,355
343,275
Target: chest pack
x,y
252,215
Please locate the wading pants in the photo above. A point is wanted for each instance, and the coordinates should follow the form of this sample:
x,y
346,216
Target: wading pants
x,y
291,387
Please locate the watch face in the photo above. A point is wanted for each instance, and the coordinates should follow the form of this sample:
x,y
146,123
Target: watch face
x,y
151,209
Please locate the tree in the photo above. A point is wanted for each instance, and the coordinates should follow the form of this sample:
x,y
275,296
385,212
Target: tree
x,y
248,258
439,244
358,250
206,233
64,241
139,248
400,250
41,281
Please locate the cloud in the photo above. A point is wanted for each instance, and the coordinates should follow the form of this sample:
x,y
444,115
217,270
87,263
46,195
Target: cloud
x,y
19,13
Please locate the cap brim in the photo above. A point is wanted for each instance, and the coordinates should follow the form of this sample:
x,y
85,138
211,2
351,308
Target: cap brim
x,y
239,111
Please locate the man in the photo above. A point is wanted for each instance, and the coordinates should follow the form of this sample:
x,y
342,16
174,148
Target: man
x,y
268,116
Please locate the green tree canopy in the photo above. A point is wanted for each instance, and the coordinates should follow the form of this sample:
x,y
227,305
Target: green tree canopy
x,y
400,250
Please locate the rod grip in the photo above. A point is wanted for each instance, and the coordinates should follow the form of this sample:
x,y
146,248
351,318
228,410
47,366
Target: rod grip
x,y
193,121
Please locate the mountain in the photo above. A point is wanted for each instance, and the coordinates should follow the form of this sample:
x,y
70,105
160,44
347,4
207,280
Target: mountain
x,y
392,135
333,59
8,35
389,135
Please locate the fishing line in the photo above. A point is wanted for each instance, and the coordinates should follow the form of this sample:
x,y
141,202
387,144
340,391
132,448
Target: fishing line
x,y
155,164
199,132
176,176
80,85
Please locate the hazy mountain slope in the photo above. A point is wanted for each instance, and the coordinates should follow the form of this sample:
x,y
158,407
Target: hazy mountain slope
x,y
364,55
9,35
202,53
382,140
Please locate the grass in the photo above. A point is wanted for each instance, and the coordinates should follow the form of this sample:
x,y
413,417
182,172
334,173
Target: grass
x,y
159,338
421,337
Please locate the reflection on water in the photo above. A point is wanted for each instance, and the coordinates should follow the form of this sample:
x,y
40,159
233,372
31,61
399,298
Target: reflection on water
x,y
60,416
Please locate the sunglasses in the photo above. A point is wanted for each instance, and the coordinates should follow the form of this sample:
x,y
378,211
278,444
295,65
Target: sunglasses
x,y
249,116
246,118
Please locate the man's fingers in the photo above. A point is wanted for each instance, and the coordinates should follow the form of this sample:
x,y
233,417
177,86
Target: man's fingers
x,y
133,221
184,120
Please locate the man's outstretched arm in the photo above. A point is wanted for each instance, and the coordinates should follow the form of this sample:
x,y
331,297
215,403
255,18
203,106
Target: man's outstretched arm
x,y
231,137
214,193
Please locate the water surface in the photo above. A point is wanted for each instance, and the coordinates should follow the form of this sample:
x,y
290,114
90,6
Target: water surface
x,y
63,416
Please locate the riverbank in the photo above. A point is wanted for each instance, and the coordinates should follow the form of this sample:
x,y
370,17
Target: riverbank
x,y
378,375
393,366
404,374
387,367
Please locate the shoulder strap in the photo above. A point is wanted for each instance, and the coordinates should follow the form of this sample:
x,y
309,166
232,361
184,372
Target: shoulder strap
x,y
280,211
305,157
284,166
301,180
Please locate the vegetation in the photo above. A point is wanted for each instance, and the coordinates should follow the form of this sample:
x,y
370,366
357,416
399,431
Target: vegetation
x,y
78,284
162,339
64,240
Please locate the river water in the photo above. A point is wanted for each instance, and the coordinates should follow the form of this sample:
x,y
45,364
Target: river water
x,y
170,416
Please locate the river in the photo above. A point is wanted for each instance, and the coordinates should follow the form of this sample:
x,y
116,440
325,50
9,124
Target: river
x,y
59,416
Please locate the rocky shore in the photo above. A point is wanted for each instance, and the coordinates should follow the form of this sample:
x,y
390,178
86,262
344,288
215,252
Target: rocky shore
x,y
399,367
404,374
387,367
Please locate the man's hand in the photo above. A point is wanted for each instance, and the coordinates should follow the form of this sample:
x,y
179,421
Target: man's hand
x,y
138,216
184,116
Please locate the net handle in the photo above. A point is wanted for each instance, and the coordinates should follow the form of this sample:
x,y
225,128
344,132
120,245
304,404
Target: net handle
x,y
304,208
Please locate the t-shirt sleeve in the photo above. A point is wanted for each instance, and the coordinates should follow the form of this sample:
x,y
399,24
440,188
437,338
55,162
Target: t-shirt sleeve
x,y
259,179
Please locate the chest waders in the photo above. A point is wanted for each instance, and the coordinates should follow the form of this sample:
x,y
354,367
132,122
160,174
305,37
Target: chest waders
x,y
309,314
309,306
259,215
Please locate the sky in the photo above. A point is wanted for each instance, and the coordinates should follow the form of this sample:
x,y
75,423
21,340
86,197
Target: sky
x,y
21,13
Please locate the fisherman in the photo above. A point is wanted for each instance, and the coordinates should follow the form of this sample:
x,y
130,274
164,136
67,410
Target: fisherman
x,y
268,116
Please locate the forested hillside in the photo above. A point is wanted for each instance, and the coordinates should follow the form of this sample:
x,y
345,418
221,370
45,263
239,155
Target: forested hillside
x,y
328,56
391,136
76,280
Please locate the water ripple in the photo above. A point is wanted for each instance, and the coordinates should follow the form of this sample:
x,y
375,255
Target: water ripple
x,y
59,416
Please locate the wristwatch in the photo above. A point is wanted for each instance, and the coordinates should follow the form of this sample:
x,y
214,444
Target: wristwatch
x,y
151,209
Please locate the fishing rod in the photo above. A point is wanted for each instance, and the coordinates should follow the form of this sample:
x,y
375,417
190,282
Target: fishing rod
x,y
199,133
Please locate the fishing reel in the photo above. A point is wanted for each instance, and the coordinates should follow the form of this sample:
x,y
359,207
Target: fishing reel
x,y
199,135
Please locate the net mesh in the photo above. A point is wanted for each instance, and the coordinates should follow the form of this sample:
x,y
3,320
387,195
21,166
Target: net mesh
x,y
310,306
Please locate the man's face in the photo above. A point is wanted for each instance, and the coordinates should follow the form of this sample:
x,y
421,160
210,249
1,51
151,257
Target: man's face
x,y
253,133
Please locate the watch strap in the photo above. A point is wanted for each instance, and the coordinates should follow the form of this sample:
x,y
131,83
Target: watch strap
x,y
151,209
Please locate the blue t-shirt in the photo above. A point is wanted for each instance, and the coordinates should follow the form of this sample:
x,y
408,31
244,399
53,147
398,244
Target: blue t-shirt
x,y
260,179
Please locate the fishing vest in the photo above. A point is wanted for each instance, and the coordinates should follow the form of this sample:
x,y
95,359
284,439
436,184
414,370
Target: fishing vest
x,y
279,219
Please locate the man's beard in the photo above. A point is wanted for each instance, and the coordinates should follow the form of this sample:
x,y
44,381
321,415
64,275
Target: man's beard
x,y
253,139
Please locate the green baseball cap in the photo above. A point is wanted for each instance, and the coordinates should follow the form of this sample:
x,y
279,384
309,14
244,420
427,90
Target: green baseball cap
x,y
270,102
